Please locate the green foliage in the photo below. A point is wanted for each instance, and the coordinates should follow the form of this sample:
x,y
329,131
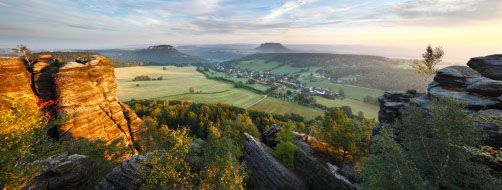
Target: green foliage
x,y
235,129
285,150
220,167
389,168
168,167
437,145
347,136
21,126
142,78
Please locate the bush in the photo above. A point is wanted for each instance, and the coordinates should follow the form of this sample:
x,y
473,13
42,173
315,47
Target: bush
x,y
141,78
286,149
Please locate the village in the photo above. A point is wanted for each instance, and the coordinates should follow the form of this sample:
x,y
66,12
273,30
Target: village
x,y
282,85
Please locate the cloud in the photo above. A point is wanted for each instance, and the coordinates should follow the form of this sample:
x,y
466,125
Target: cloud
x,y
4,4
286,7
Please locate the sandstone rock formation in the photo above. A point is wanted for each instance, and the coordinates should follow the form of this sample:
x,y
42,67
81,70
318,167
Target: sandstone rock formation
x,y
63,172
315,174
265,171
479,88
16,80
86,95
126,176
488,66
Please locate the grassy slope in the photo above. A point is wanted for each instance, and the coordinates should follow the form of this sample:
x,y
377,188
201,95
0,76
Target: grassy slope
x,y
177,80
237,97
370,111
176,84
275,105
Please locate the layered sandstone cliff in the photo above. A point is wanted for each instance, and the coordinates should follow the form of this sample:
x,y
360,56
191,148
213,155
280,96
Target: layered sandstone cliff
x,y
85,94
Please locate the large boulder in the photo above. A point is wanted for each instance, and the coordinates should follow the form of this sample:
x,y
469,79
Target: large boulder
x,y
457,76
316,175
470,101
127,176
488,66
486,87
63,172
390,104
265,171
268,137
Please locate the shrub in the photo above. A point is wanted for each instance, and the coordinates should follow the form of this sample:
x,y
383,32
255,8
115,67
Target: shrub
x,y
286,149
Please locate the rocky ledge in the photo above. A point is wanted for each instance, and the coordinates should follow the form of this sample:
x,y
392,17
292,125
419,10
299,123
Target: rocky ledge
x,y
63,172
478,87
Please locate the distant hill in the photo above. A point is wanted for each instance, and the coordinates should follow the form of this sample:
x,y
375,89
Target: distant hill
x,y
215,54
273,48
319,59
159,54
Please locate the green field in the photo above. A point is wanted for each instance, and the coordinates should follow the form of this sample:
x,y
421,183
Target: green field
x,y
275,105
369,110
177,80
352,92
257,65
236,97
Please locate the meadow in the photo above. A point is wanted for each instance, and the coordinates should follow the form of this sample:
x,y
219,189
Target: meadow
x,y
178,80
275,105
369,110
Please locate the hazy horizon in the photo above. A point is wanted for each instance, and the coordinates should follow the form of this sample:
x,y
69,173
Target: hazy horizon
x,y
464,28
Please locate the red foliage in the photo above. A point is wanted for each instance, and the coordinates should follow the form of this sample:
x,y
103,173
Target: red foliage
x,y
49,107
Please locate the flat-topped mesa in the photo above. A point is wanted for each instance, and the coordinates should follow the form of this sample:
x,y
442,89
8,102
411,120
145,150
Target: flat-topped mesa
x,y
478,87
85,93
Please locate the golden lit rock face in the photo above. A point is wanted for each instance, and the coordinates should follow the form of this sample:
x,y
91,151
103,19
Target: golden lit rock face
x,y
15,79
86,93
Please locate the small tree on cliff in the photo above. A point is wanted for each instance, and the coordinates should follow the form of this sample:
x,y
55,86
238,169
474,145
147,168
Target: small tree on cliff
x,y
427,67
22,49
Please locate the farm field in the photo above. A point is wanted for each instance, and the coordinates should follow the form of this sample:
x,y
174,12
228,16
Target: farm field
x,y
274,105
369,110
236,97
177,80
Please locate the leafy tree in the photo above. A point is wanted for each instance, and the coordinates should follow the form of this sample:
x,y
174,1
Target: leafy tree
x,y
220,166
166,166
21,126
341,93
22,49
437,143
349,136
389,168
427,67
285,150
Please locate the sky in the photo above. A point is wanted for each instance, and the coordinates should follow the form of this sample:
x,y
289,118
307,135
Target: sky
x,y
464,28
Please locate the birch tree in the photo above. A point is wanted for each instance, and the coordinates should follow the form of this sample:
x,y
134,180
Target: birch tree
x,y
427,67
22,49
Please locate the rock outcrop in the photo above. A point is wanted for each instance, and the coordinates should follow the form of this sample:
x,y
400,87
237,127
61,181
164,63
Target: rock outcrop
x,y
85,93
63,172
269,135
126,176
265,171
488,66
315,174
16,80
479,88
